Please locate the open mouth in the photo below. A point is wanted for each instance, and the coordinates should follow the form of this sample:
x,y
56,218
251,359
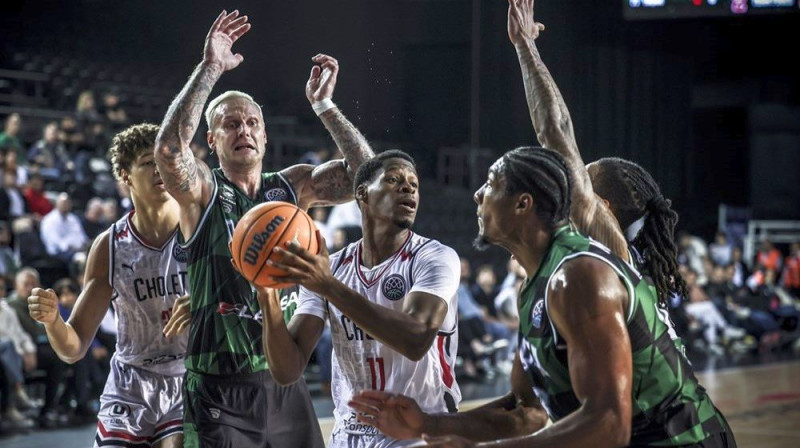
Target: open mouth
x,y
247,146
408,204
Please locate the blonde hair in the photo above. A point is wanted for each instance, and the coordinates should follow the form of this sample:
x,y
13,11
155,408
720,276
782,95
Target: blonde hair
x,y
83,100
129,144
230,94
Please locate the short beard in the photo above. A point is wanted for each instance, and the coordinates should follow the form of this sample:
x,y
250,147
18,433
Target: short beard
x,y
481,243
405,224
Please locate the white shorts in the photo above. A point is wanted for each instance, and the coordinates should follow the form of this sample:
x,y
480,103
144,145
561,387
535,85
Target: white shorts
x,y
138,407
341,439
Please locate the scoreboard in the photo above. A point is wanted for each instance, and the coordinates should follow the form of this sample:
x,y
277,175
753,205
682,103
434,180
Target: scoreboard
x,y
665,9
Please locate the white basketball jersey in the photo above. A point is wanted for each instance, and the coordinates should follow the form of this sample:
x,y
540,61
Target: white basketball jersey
x,y
146,281
361,362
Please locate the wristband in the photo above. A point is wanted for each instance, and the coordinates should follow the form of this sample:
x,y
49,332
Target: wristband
x,y
321,106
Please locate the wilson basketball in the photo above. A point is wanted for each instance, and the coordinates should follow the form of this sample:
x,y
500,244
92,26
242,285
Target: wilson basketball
x,y
261,229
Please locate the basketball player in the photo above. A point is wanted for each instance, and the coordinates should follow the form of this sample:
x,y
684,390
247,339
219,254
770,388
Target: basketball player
x,y
231,398
137,266
390,299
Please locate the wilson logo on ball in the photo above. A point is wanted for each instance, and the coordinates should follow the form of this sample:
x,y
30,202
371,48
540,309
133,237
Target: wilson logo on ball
x,y
259,240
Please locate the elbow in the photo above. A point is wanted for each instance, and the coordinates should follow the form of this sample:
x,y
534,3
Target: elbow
x,y
417,348
617,427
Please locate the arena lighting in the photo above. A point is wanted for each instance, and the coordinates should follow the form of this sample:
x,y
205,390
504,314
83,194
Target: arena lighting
x,y
673,9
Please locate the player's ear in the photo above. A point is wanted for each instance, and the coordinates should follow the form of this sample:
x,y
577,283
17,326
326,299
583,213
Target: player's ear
x,y
210,140
524,203
361,193
126,179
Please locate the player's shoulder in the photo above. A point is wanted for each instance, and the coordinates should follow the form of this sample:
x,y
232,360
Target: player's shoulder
x,y
347,253
422,246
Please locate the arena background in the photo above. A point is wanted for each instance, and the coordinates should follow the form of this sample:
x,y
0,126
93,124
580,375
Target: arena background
x,y
709,105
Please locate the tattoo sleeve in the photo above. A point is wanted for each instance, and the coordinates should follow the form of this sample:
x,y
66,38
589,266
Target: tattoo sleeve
x,y
174,157
333,182
553,126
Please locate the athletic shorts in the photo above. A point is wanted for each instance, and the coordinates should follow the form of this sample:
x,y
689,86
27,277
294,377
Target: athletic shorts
x,y
138,407
341,439
248,410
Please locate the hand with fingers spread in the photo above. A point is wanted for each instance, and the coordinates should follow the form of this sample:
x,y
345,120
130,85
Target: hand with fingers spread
x,y
395,415
225,31
304,268
521,25
322,82
43,306
181,317
448,442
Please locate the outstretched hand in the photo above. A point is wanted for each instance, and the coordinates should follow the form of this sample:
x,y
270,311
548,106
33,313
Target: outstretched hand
x,y
322,81
225,31
395,415
304,268
521,25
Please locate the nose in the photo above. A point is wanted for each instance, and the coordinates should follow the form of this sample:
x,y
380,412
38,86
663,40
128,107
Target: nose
x,y
478,196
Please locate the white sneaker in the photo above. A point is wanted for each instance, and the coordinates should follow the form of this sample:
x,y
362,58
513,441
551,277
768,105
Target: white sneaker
x,y
15,418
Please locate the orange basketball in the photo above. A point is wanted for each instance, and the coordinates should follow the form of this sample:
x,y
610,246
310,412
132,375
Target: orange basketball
x,y
261,229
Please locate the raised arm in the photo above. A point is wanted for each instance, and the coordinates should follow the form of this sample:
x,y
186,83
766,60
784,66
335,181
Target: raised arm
x,y
70,340
187,179
553,126
331,182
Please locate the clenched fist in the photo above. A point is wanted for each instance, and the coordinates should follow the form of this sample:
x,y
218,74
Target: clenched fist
x,y
43,306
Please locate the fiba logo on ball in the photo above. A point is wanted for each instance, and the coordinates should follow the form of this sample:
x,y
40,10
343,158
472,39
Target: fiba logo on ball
x,y
180,254
394,287
276,194
536,315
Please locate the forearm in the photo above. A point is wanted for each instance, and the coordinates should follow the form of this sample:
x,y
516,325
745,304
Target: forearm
x,y
173,154
500,419
285,359
348,138
601,429
400,331
549,113
66,342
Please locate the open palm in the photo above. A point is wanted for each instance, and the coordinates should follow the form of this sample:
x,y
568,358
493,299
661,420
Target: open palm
x,y
225,31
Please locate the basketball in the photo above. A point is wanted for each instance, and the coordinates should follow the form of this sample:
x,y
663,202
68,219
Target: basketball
x,y
261,229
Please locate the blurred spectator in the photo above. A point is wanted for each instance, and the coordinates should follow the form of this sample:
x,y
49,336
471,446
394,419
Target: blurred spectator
x,y
62,232
17,354
113,111
721,250
791,270
110,211
11,166
344,216
9,263
740,272
338,241
27,243
693,252
87,375
93,220
316,157
701,309
9,138
484,291
71,134
86,110
38,204
50,154
124,197
320,216
472,335
46,358
12,203
768,256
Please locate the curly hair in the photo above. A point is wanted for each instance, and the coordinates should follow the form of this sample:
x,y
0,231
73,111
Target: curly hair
x,y
129,144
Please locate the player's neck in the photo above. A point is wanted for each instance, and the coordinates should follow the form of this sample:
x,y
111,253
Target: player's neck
x,y
156,224
529,247
378,246
248,179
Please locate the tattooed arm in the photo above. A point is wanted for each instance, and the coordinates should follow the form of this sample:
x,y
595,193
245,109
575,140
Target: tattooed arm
x,y
553,126
187,179
331,182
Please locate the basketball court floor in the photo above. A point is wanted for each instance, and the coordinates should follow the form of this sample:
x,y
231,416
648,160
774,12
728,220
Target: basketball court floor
x,y
761,402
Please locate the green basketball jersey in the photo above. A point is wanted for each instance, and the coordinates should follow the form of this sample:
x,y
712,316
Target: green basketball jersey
x,y
670,408
226,331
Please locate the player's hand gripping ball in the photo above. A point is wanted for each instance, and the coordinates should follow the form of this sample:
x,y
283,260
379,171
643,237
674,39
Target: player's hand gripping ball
x,y
261,229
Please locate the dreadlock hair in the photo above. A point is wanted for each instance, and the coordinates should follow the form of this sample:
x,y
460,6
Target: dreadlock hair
x,y
366,172
543,173
633,193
